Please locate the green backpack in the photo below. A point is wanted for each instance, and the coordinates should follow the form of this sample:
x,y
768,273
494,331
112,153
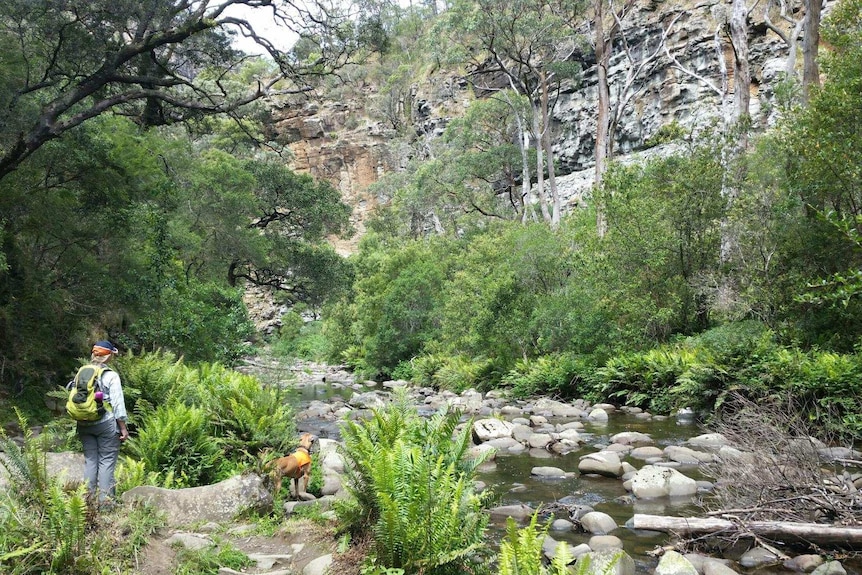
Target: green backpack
x,y
82,404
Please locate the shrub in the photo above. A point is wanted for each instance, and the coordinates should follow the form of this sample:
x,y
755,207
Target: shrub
x,y
176,440
558,374
245,417
411,487
521,551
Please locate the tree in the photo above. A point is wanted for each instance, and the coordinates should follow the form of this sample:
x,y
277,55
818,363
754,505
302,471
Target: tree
x,y
527,43
810,47
606,29
66,62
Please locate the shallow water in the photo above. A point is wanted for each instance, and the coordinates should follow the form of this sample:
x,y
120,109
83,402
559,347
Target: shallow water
x,y
510,480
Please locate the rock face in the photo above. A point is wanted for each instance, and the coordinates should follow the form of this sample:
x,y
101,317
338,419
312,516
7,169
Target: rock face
x,y
350,141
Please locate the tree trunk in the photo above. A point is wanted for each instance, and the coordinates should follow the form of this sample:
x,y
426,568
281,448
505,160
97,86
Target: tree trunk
x,y
820,534
603,112
549,153
741,66
810,44
538,133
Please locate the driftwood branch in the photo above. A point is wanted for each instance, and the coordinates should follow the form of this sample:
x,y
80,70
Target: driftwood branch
x,y
787,531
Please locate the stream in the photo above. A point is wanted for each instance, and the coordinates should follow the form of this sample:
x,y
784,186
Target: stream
x,y
509,475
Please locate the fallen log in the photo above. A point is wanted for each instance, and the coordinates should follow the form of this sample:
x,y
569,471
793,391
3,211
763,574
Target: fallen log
x,y
816,533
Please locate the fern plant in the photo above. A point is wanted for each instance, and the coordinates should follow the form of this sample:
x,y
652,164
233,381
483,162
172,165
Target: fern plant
x,y
176,440
42,527
521,551
411,488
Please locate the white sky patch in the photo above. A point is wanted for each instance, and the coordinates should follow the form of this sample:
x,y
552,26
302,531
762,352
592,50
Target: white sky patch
x,y
264,25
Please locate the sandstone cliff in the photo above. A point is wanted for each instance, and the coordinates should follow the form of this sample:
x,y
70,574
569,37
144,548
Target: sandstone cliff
x,y
346,143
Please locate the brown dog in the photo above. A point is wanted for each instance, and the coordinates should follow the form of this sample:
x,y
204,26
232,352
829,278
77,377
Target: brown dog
x,y
296,466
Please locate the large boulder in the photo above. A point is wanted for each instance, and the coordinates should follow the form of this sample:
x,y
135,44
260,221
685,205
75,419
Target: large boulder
x,y
606,463
218,502
605,562
491,428
653,481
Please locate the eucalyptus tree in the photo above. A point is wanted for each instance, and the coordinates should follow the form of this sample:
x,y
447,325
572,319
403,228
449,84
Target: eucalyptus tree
x,y
67,61
530,45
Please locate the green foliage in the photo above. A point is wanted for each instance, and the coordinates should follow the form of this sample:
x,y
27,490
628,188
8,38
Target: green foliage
x,y
244,417
559,374
48,527
411,487
210,559
521,551
206,321
300,339
176,439
666,133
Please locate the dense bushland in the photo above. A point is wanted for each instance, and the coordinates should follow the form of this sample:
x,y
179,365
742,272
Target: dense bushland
x,y
690,293
191,425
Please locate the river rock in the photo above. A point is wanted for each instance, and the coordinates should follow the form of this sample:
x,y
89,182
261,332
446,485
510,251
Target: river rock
x,y
600,542
550,546
548,472
511,411
539,440
491,428
830,568
598,523
757,557
653,481
605,463
517,512
575,425
605,562
804,563
598,414
728,454
570,435
717,567
647,452
673,563
521,432
368,400
708,442
218,502
687,455
632,438
504,443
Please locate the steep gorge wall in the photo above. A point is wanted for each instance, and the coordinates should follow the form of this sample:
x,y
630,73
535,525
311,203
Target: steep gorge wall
x,y
344,143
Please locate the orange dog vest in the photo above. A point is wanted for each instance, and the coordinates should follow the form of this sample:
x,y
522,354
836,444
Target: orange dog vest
x,y
302,458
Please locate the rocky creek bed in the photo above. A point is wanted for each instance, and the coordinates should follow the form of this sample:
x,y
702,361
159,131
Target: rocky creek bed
x,y
594,469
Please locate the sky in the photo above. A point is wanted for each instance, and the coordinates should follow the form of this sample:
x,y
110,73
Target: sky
x,y
261,20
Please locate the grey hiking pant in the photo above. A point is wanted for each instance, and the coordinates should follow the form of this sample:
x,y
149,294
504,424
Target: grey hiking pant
x,y
101,443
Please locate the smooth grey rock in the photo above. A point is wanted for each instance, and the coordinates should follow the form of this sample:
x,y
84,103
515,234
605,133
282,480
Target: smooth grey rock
x,y
673,563
548,472
606,463
598,523
218,502
318,566
804,563
757,557
654,481
830,568
605,562
600,542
